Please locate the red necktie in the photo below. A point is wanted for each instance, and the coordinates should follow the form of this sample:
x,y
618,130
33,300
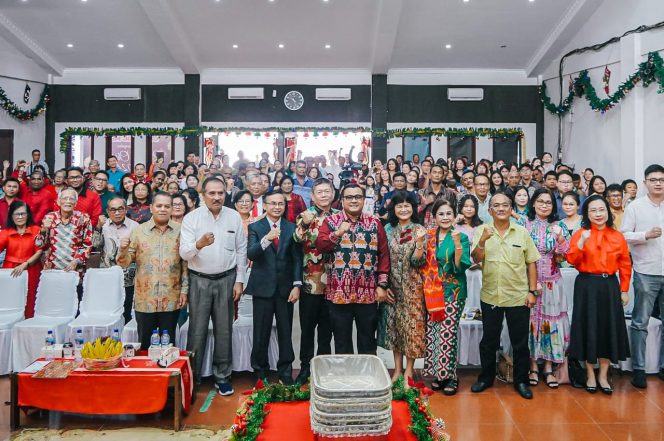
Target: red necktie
x,y
275,242
254,211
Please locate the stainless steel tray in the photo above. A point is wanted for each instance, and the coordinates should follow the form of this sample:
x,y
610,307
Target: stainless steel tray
x,y
345,376
351,405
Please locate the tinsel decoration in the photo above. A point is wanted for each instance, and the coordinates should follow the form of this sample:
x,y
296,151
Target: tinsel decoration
x,y
250,415
649,71
605,79
24,115
187,132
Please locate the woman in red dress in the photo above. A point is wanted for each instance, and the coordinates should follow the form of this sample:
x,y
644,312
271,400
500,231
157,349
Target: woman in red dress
x,y
294,202
24,244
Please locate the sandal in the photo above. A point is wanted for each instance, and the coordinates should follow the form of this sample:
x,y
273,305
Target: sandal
x,y
552,384
436,384
451,387
533,381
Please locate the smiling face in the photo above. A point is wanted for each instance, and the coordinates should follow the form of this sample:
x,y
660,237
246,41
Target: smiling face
x,y
322,196
403,211
67,200
445,217
399,183
100,182
244,204
116,210
468,209
543,206
597,213
161,209
275,205
353,201
513,178
599,186
179,207
521,198
500,207
570,207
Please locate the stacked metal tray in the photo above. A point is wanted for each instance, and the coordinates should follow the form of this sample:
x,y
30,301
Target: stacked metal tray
x,y
351,395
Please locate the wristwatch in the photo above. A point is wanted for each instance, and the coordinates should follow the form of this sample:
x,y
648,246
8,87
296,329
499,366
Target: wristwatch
x,y
533,292
383,285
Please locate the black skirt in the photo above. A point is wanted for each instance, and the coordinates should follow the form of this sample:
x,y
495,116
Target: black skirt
x,y
598,320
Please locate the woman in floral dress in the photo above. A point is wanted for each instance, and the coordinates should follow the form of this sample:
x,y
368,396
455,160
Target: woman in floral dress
x,y
572,221
445,292
549,323
402,317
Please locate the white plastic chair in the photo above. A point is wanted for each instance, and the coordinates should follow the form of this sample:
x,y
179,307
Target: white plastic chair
x,y
243,338
102,304
56,306
12,308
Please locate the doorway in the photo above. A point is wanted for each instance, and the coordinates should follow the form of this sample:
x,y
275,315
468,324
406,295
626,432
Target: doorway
x,y
7,147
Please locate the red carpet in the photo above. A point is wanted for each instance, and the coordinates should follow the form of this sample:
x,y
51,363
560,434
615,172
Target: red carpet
x,y
290,422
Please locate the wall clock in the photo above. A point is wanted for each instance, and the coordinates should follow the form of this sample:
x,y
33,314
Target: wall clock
x,y
293,100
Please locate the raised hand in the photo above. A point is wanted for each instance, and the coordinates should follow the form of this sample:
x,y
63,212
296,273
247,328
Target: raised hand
x,y
205,240
273,234
124,243
307,217
486,233
343,228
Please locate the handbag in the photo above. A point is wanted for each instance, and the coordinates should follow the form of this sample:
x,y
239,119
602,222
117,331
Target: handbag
x,y
505,368
577,373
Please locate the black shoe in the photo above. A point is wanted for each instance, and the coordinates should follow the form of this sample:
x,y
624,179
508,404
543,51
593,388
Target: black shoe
x,y
639,379
286,380
524,390
591,389
480,386
303,376
661,374
606,390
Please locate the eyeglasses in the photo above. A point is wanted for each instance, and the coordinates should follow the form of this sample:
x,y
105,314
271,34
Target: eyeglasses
x,y
21,214
545,203
244,202
116,210
354,197
615,196
597,211
501,206
178,205
106,180
655,180
565,182
75,177
276,204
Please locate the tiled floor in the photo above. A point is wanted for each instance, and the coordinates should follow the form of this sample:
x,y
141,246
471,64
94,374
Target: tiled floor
x,y
497,414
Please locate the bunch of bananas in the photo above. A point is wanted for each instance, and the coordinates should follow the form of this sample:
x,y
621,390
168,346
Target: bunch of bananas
x,y
99,350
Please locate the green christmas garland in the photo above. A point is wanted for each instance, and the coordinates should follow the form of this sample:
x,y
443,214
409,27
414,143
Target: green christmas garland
x,y
24,115
250,416
186,132
649,71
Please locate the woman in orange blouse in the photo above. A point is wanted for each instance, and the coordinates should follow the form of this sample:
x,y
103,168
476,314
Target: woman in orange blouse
x,y
24,242
598,252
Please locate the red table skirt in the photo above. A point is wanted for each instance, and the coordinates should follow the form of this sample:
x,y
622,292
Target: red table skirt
x,y
290,422
139,389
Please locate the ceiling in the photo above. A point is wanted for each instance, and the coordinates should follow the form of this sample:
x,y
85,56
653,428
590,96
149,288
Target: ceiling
x,y
194,35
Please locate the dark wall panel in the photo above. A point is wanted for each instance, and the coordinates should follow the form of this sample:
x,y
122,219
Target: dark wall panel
x,y
217,107
502,104
164,103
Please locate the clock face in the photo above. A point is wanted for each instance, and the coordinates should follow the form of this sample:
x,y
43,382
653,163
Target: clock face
x,y
293,100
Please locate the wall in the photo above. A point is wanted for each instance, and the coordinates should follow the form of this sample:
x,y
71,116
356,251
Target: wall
x,y
15,71
502,107
215,105
621,142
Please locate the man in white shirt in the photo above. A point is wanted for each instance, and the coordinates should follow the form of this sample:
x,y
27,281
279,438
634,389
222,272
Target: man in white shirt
x,y
642,226
117,227
213,243
481,185
257,190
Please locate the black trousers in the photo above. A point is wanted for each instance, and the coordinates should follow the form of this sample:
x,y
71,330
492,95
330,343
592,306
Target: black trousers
x,y
147,322
264,311
518,318
314,314
128,303
366,322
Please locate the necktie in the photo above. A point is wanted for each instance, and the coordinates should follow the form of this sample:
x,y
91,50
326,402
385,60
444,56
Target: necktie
x,y
275,242
254,211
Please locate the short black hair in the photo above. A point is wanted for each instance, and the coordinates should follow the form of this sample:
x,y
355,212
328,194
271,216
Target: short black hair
x,y
553,216
399,197
102,172
140,163
323,181
574,195
160,193
210,180
627,182
653,168
483,176
565,172
585,220
272,193
503,192
301,161
614,187
112,156
240,194
399,174
351,186
74,168
36,151
526,165
551,173
12,179
159,172
15,206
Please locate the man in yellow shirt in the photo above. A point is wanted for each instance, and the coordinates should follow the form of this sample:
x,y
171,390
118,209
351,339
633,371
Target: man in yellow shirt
x,y
509,290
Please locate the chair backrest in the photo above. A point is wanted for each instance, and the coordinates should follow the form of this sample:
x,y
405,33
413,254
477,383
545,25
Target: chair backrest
x,y
56,294
245,306
103,292
14,293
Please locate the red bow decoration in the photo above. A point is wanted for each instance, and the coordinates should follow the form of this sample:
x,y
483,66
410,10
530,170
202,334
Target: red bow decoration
x,y
405,236
421,386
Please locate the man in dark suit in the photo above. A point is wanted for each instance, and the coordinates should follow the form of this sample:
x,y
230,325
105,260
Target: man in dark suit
x,y
274,283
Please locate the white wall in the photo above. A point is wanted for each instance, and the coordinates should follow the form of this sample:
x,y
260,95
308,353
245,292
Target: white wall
x,y
15,71
483,145
622,142
100,142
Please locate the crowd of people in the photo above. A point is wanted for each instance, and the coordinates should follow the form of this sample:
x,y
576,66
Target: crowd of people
x,y
384,247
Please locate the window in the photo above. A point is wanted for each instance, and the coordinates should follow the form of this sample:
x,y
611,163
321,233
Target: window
x,y
416,146
122,147
506,149
458,146
160,147
81,151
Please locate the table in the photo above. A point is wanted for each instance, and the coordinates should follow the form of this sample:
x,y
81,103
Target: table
x,y
139,388
291,422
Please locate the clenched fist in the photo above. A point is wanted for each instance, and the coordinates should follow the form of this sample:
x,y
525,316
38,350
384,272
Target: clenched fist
x,y
486,233
124,243
273,234
47,222
205,240
343,228
307,217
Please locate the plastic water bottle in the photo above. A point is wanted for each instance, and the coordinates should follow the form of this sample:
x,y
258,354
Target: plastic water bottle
x,y
78,345
165,339
49,343
116,335
154,351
